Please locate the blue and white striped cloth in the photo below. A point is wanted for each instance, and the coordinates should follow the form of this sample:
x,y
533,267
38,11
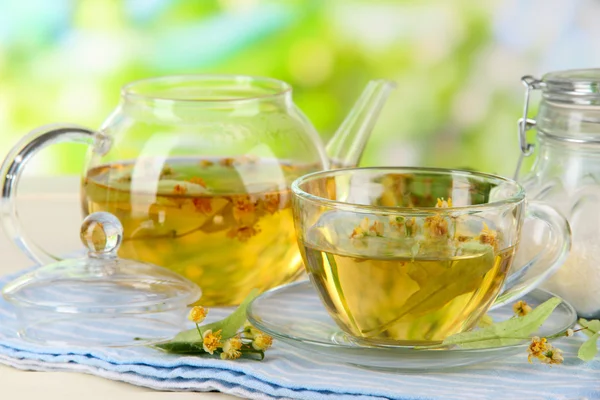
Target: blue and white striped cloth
x,y
288,373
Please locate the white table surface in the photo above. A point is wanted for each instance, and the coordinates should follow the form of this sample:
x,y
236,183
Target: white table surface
x,y
49,208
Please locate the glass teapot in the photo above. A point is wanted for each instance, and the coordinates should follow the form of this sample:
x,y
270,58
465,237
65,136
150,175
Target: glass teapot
x,y
197,168
566,174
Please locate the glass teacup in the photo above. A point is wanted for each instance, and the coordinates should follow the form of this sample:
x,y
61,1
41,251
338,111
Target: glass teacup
x,y
412,255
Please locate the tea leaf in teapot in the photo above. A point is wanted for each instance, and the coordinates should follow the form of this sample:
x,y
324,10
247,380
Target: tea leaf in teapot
x,y
588,350
509,332
590,327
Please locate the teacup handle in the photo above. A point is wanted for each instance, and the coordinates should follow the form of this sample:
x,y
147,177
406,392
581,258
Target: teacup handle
x,y
543,264
12,169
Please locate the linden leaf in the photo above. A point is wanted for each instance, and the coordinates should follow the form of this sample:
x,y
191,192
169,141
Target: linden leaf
x,y
462,278
513,331
485,321
588,350
591,327
230,326
182,347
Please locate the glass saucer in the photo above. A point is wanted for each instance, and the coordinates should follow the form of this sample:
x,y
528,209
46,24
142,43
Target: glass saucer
x,y
294,314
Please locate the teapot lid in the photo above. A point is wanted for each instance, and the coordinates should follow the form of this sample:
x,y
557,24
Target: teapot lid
x,y
100,299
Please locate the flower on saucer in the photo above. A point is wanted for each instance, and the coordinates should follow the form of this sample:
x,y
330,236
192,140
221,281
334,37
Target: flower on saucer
x,y
521,308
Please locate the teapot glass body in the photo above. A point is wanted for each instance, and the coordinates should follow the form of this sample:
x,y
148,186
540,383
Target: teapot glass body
x,y
198,169
566,175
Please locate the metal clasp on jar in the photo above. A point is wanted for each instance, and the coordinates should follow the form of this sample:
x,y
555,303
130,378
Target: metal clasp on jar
x,y
526,123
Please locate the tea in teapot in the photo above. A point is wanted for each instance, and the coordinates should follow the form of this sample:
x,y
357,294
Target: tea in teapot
x,y
198,169
204,222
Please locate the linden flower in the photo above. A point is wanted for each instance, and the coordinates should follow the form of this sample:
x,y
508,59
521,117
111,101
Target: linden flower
x,y
376,228
361,230
411,226
262,341
271,202
487,236
226,162
198,181
197,314
441,203
166,171
231,349
203,204
537,348
570,332
243,233
250,330
179,189
552,356
521,308
396,221
244,210
436,225
206,163
211,341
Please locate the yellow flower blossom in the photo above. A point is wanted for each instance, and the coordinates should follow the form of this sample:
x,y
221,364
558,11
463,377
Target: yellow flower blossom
x,y
203,204
552,356
441,203
250,331
436,225
271,202
231,349
198,181
166,171
487,236
570,332
262,341
211,341
537,348
244,210
179,189
521,308
411,227
243,233
396,222
377,228
226,162
197,314
206,163
364,229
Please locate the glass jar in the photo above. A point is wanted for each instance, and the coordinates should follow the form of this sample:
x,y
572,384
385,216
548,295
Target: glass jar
x,y
566,174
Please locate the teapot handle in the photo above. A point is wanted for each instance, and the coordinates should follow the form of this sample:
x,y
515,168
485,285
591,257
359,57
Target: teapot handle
x,y
14,164
551,252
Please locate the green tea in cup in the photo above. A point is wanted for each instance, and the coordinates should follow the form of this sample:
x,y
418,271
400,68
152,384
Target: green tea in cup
x,y
411,256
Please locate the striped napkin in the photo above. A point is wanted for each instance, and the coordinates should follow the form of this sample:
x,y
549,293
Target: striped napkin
x,y
290,373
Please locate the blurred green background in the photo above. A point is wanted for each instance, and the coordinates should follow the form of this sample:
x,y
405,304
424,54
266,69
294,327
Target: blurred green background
x,y
457,64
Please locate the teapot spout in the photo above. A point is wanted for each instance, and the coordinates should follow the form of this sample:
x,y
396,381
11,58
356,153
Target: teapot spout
x,y
346,147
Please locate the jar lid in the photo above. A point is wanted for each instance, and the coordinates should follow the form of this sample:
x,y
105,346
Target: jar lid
x,y
100,299
578,86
